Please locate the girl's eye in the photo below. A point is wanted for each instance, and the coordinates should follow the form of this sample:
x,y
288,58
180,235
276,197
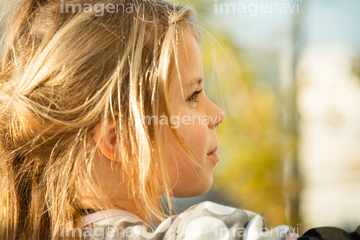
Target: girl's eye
x,y
193,97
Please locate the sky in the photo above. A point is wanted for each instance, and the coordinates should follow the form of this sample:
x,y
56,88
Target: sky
x,y
324,21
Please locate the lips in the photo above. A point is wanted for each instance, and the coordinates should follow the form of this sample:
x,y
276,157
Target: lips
x,y
214,150
213,155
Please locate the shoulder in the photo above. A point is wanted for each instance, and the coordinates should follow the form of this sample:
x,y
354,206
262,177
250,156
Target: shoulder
x,y
206,220
203,220
214,213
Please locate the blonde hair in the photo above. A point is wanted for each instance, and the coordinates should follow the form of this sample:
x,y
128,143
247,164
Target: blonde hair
x,y
60,75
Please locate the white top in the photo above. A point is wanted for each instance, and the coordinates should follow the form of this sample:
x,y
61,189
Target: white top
x,y
204,221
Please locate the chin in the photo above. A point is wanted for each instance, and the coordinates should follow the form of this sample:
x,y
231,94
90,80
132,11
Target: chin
x,y
193,192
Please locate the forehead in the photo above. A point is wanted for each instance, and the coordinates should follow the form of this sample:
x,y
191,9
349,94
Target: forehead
x,y
187,71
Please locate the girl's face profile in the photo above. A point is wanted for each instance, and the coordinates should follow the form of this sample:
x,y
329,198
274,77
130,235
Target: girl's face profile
x,y
196,118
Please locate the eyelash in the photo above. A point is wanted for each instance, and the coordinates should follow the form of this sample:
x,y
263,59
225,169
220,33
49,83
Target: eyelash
x,y
193,97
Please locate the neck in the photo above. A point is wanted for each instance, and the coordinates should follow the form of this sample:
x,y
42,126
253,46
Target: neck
x,y
124,204
112,189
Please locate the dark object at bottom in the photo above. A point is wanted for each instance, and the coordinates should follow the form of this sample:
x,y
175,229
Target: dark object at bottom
x,y
330,233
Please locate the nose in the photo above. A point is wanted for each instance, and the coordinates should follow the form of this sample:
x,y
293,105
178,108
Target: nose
x,y
216,115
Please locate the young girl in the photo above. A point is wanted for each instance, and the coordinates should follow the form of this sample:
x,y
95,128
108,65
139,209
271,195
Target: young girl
x,y
102,111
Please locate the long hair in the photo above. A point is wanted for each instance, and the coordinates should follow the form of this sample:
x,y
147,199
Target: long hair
x,y
60,75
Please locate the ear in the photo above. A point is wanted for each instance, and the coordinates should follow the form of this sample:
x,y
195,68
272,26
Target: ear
x,y
106,140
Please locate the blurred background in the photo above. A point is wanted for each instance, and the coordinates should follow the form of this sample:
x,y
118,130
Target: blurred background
x,y
287,74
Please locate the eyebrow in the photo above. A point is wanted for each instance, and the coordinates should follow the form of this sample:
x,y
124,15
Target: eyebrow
x,y
193,82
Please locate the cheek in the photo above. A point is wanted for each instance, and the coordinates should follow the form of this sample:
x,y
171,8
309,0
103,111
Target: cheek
x,y
195,135
197,143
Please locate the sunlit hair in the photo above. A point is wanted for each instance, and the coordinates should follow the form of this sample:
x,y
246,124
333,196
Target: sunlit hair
x,y
60,75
